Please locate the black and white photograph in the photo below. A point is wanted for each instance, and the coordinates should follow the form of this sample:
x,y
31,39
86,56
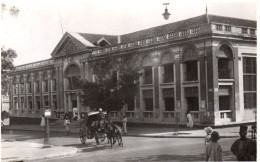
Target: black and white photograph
x,y
128,80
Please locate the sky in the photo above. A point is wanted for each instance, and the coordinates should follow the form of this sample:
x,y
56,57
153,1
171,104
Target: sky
x,y
40,25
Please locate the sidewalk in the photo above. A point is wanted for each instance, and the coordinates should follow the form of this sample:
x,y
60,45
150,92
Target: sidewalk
x,y
32,150
160,132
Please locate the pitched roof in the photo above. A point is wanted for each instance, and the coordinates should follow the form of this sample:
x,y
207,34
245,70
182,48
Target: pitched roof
x,y
184,24
93,38
168,28
232,21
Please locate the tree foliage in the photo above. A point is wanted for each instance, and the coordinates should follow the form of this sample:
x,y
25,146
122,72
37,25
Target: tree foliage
x,y
13,11
110,91
7,58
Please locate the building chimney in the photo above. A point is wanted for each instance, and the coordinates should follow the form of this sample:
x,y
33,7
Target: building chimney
x,y
118,39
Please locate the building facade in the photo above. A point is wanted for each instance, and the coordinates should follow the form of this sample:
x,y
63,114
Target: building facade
x,y
205,64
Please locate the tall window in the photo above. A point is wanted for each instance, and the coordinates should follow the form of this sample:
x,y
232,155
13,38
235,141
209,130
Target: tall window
x,y
148,75
148,100
249,73
168,73
37,86
225,62
168,96
191,70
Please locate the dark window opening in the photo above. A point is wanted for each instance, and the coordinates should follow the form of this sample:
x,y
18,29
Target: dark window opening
x,y
22,88
169,104
37,87
45,84
131,105
38,105
148,75
224,103
54,85
46,103
193,103
168,73
191,71
54,104
74,82
249,65
224,71
74,103
30,105
250,80
29,86
250,100
114,79
148,104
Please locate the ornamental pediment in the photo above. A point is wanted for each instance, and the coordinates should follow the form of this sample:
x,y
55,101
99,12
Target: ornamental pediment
x,y
70,47
71,44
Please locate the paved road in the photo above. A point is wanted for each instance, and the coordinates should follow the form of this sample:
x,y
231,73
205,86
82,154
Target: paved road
x,y
135,148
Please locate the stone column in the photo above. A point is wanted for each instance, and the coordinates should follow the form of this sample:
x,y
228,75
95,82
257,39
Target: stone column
x,y
57,87
19,95
78,104
69,102
25,92
65,102
41,90
33,91
82,73
11,94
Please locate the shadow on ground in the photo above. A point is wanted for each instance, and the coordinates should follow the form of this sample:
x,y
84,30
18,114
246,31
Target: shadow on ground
x,y
201,157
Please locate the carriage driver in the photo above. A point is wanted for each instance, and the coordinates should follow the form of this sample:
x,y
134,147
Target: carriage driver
x,y
101,118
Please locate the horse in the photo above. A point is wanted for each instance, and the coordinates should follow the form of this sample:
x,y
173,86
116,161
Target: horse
x,y
114,133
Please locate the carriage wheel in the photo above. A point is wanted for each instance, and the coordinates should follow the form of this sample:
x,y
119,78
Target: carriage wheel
x,y
82,137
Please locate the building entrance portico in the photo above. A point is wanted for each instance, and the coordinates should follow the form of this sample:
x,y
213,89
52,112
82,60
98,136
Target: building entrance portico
x,y
72,100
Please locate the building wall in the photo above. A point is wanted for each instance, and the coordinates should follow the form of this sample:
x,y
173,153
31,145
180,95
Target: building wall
x,y
208,89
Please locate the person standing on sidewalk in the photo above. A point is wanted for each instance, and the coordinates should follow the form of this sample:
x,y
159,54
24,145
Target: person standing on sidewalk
x,y
67,125
189,120
244,148
208,130
213,149
43,123
124,120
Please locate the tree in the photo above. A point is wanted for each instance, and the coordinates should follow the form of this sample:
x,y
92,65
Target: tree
x,y
12,10
7,58
108,91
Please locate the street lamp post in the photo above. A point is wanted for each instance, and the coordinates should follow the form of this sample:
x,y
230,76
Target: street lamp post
x,y
47,114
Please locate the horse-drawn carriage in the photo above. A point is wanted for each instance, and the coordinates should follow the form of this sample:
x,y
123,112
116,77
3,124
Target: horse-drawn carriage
x,y
97,126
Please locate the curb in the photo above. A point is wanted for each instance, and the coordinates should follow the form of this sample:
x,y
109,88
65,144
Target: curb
x,y
63,154
69,153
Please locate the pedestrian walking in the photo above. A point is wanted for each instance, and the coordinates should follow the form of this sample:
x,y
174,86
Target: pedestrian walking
x,y
67,125
124,120
244,148
43,121
189,120
213,149
208,131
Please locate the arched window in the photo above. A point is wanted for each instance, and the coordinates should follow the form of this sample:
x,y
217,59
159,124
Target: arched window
x,y
53,80
225,62
37,82
148,71
45,82
72,73
190,67
29,83
167,71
